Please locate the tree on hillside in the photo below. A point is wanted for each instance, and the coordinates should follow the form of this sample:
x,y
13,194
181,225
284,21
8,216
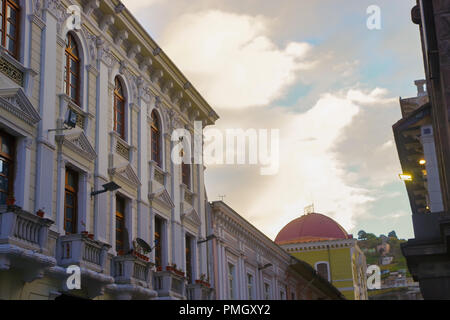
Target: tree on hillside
x,y
362,235
371,236
392,234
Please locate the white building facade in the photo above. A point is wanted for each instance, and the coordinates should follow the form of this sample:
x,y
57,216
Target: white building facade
x,y
124,97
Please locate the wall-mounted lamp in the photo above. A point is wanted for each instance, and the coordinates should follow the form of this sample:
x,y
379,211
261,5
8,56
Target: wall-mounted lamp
x,y
208,238
110,186
69,123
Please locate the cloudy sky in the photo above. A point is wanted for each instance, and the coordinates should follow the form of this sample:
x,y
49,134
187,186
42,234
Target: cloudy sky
x,y
313,70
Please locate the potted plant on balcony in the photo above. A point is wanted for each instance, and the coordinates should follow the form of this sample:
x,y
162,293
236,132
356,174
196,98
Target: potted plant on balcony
x,y
10,201
40,213
203,281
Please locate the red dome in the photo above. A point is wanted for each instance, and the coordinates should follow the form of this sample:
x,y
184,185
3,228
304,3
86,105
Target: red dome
x,y
311,227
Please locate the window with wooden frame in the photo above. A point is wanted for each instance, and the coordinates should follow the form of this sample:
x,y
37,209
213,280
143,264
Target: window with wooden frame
x,y
119,108
9,26
70,202
158,242
120,225
322,269
7,161
189,259
186,174
72,69
156,139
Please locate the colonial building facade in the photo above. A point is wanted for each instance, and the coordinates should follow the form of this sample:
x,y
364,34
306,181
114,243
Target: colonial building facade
x,y
246,265
86,116
326,246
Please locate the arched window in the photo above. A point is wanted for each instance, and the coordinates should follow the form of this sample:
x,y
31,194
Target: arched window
x,y
72,70
322,270
9,26
156,139
119,109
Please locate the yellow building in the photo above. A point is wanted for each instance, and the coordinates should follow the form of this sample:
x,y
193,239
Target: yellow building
x,y
334,254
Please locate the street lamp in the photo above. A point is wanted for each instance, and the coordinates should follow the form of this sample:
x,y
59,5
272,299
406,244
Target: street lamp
x,y
208,238
265,266
110,186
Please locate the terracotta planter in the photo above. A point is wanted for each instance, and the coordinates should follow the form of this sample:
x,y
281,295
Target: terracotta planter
x,y
159,269
203,283
10,201
40,213
91,236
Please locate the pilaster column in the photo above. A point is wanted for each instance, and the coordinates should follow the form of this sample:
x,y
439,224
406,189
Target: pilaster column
x,y
104,63
47,109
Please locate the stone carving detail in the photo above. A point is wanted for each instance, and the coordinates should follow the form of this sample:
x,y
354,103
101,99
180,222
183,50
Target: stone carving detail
x,y
11,71
120,37
123,150
134,50
37,10
91,6
107,21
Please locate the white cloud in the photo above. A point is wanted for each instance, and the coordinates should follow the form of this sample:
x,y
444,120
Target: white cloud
x,y
310,169
231,59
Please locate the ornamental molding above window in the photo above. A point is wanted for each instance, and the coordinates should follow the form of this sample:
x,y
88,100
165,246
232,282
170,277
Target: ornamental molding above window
x,y
127,175
162,197
79,143
192,216
16,102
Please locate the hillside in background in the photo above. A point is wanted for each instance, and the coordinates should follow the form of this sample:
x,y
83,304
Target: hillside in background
x,y
383,251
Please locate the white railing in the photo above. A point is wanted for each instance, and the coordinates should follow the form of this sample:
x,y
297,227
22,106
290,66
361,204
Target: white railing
x,y
79,249
24,229
131,269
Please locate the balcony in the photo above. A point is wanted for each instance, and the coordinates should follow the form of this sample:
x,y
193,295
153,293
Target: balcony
x,y
133,278
201,290
170,285
90,255
23,243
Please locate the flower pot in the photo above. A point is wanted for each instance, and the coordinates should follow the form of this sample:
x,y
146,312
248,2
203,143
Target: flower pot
x,y
10,201
159,269
40,213
91,236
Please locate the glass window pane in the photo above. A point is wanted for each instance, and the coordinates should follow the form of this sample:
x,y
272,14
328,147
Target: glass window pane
x,y
3,197
11,13
11,30
3,183
10,45
74,66
4,167
68,226
69,213
73,93
6,146
69,200
73,79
